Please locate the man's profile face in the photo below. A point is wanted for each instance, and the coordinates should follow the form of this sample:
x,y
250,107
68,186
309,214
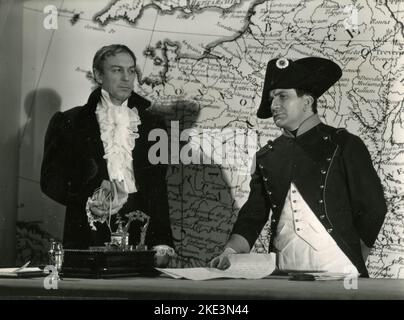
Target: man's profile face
x,y
118,76
287,108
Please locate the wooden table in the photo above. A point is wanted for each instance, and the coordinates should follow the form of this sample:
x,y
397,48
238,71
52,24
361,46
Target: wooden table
x,y
161,287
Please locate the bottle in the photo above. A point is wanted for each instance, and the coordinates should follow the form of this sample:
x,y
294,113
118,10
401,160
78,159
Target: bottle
x,y
56,255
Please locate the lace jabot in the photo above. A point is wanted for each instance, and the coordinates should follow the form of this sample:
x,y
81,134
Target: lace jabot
x,y
119,130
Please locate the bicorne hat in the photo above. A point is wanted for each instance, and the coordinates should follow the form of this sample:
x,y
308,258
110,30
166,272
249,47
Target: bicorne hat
x,y
315,75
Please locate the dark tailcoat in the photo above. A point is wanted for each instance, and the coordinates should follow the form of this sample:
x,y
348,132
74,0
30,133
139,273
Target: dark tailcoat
x,y
333,171
73,167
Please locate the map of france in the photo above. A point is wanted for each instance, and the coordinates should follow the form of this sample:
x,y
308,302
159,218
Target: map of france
x,y
203,64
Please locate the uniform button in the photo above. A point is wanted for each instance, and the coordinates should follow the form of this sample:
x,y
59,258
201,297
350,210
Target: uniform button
x,y
294,210
323,171
69,183
328,159
269,146
296,220
260,166
265,179
269,192
329,230
322,187
325,138
294,201
274,206
297,229
293,191
322,217
273,220
320,201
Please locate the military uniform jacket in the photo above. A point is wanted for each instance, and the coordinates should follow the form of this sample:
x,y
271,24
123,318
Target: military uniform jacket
x,y
73,167
333,171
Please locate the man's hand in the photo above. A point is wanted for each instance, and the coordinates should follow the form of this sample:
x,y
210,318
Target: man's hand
x,y
96,209
161,261
100,209
109,198
163,255
222,261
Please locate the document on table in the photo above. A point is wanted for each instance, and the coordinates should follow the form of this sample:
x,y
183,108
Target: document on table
x,y
20,273
242,266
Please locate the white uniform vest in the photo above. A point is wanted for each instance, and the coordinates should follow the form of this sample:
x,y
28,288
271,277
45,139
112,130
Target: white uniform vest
x,y
303,244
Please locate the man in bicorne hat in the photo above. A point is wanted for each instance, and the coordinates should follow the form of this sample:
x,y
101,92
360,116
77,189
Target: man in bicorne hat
x,y
326,198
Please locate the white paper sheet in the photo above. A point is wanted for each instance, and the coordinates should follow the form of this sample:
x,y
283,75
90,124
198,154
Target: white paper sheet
x,y
243,266
18,272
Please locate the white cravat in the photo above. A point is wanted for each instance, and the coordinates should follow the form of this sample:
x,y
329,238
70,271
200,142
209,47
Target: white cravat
x,y
118,127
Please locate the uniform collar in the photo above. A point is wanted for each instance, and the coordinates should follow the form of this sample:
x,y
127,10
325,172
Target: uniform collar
x,y
305,126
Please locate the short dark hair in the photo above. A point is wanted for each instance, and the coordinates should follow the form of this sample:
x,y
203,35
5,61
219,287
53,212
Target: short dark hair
x,y
107,51
302,92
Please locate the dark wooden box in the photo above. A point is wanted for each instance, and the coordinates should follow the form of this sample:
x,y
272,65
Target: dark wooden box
x,y
107,263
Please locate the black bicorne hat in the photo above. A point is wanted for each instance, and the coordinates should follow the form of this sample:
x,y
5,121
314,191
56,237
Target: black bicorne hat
x,y
313,74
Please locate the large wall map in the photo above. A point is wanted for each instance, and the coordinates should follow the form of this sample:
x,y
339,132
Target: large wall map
x,y
203,63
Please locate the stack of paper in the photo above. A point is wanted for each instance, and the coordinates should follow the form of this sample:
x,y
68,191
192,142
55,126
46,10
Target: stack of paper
x,y
243,266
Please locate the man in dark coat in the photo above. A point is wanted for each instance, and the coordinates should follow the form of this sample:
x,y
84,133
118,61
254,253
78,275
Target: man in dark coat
x,y
104,144
326,198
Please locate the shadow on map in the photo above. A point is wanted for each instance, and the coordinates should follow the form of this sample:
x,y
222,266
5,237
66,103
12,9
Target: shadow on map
x,y
201,203
34,214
